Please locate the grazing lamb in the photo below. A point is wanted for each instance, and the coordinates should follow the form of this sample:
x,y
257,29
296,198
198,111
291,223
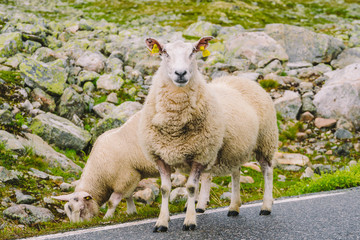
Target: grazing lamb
x,y
112,172
194,126
115,166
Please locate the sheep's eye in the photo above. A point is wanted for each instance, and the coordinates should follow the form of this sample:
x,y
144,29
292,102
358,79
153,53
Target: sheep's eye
x,y
87,198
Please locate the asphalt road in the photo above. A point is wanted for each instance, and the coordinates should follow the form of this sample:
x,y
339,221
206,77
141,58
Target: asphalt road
x,y
330,215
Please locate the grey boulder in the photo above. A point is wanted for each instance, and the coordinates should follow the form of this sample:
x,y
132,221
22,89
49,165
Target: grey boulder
x,y
28,214
117,117
52,157
60,131
302,44
288,105
340,95
258,47
11,142
347,57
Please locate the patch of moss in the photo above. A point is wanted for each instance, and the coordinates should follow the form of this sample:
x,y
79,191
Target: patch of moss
x,y
100,99
128,92
248,13
290,132
269,84
329,181
11,77
76,157
7,158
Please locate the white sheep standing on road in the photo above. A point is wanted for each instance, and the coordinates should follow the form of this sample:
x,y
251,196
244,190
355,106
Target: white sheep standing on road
x,y
189,124
115,166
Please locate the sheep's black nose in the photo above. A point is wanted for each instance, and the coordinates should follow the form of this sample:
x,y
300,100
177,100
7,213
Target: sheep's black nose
x,y
180,73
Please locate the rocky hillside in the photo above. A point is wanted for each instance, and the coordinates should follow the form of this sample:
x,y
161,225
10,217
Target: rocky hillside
x,y
63,83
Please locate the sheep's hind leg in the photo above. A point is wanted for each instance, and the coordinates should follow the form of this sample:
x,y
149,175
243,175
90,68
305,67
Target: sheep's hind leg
x,y
204,192
235,194
267,171
130,205
113,202
191,186
163,220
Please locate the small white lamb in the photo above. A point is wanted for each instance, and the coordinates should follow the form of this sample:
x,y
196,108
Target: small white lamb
x,y
194,126
115,166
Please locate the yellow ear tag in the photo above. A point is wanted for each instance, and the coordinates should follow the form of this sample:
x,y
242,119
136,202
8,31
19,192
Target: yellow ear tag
x,y
155,49
205,53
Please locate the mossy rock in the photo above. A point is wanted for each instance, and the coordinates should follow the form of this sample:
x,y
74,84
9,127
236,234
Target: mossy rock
x,y
116,118
10,44
201,28
60,131
51,79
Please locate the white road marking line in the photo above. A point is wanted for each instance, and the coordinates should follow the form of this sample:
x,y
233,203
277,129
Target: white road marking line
x,y
182,215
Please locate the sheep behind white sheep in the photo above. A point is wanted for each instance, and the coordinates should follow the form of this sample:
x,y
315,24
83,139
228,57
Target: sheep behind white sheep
x,y
115,166
189,124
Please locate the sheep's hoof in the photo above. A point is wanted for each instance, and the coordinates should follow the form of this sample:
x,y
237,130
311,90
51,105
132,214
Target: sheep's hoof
x,y
265,212
200,210
232,213
185,208
160,229
189,227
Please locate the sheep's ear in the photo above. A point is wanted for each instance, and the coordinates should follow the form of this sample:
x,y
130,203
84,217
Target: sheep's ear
x,y
64,197
153,45
202,44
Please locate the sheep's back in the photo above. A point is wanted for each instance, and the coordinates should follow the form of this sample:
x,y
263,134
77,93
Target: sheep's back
x,y
116,162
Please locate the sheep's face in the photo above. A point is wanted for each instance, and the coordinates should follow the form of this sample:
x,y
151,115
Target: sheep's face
x,y
178,58
80,206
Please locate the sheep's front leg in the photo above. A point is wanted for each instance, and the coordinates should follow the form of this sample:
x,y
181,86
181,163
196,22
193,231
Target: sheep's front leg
x,y
191,186
267,171
204,192
113,202
163,220
130,205
235,194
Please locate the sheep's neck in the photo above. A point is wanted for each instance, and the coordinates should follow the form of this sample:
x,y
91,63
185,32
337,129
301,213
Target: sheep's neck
x,y
179,110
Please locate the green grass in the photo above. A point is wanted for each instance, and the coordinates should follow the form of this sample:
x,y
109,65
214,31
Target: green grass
x,y
7,158
248,13
100,99
326,182
77,157
11,77
289,134
20,119
269,84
